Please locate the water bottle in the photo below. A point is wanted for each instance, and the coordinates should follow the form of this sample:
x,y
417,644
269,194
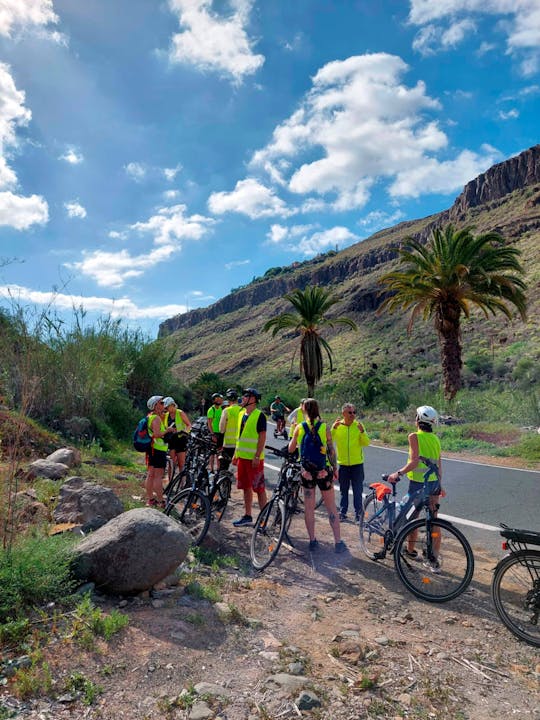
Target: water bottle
x,y
404,500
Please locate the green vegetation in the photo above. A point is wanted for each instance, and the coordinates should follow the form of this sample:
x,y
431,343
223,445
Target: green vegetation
x,y
311,307
90,622
444,278
80,685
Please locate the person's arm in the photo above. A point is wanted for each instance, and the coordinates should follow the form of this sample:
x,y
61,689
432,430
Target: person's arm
x,y
364,437
209,419
413,462
293,443
186,420
223,421
261,440
156,428
331,451
292,417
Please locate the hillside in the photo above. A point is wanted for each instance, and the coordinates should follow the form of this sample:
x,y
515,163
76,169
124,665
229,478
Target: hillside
x,y
226,337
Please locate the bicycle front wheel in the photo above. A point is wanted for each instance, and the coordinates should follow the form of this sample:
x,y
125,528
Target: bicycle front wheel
x,y
516,593
221,495
191,508
444,564
374,524
178,482
268,534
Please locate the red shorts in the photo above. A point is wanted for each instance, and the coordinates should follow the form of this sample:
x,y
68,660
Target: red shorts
x,y
250,476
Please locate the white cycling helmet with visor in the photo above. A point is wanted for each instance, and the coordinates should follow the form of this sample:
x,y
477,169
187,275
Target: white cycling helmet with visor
x,y
153,401
427,414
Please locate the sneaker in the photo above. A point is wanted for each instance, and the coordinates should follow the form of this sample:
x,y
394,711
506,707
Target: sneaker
x,y
313,545
412,554
340,547
342,517
357,518
434,567
245,521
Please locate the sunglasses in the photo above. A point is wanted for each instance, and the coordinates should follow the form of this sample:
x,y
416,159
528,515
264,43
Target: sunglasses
x,y
350,412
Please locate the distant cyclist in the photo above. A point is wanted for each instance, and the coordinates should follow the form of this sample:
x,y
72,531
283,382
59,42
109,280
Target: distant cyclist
x,y
278,410
213,417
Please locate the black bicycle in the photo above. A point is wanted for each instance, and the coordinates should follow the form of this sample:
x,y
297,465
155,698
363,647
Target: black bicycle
x,y
274,520
515,587
433,559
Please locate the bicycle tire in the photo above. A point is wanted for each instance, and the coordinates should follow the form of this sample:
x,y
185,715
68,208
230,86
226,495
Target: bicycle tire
x,y
373,526
456,561
515,590
191,509
221,496
268,534
179,482
292,505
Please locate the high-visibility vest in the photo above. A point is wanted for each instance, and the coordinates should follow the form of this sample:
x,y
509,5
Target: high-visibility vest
x,y
248,437
429,446
231,428
349,442
178,420
157,443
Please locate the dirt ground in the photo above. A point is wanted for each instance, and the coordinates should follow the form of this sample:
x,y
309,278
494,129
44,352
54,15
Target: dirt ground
x,y
316,635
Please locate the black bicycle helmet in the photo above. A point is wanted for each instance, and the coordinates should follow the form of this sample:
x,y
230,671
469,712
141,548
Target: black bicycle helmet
x,y
251,391
231,394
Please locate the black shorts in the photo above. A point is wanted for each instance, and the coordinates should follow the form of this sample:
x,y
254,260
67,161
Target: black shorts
x,y
157,459
218,438
324,483
178,443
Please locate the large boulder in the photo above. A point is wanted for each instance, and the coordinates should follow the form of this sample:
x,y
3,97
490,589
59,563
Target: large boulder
x,y
47,469
132,552
68,456
86,503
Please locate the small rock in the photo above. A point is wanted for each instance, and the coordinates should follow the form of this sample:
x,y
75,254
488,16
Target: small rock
x,y
382,640
200,711
296,668
307,701
269,655
287,682
404,699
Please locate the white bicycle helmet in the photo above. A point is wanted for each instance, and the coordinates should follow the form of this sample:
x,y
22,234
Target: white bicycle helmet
x,y
168,401
427,414
153,401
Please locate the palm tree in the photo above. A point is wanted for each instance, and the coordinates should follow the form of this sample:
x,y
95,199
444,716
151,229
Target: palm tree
x,y
444,278
310,307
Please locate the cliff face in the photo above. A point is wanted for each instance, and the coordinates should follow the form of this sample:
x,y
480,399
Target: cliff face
x,y
516,173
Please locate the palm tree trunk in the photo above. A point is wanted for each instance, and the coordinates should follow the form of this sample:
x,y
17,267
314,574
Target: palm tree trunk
x,y
450,348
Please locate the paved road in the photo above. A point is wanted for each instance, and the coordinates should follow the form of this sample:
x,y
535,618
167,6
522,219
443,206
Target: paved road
x,y
478,497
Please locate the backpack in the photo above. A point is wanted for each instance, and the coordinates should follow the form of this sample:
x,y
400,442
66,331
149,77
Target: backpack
x,y
142,440
312,449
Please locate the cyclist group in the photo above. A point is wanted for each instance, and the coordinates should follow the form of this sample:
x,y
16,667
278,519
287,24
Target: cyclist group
x,y
239,429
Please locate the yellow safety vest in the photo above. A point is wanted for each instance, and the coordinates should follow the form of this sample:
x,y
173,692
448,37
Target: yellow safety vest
x,y
248,437
349,442
157,443
429,446
178,421
231,428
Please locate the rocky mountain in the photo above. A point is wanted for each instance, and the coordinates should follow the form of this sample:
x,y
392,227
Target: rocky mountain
x,y
517,173
506,198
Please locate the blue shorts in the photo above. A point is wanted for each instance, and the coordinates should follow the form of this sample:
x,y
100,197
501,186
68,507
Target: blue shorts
x,y
434,487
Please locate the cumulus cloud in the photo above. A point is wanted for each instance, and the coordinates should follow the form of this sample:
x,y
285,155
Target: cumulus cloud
x,y
75,210
136,171
445,24
512,114
249,197
72,156
172,172
307,241
15,14
236,263
167,228
358,125
121,307
214,42
16,211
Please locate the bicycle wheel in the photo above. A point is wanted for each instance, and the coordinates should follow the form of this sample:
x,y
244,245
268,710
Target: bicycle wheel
x,y
268,534
191,508
292,505
179,482
374,524
516,593
435,579
221,495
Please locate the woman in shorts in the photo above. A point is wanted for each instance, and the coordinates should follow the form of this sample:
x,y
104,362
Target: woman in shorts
x,y
323,479
177,439
156,457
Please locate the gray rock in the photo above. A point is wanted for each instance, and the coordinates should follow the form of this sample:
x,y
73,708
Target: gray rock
x,y
200,711
86,503
287,682
132,552
67,456
208,688
307,701
47,469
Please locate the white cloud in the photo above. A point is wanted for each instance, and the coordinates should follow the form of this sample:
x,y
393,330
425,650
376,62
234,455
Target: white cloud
x,y
24,14
121,307
72,156
236,263
171,173
510,115
22,212
136,171
360,125
446,23
301,238
75,210
213,42
171,194
250,198
168,227
378,219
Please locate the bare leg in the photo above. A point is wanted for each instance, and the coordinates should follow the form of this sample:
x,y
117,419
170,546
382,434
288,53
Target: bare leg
x,y
248,500
329,500
309,512
261,498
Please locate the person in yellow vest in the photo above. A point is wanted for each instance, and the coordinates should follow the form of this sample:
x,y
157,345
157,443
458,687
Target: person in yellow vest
x,y
350,437
228,426
156,457
249,454
213,417
312,476
177,440
423,443
296,417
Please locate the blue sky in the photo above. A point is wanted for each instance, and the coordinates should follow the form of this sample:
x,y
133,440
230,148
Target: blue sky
x,y
155,155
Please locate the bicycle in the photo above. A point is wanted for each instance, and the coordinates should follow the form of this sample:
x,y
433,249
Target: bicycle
x,y
280,428
274,520
515,587
386,528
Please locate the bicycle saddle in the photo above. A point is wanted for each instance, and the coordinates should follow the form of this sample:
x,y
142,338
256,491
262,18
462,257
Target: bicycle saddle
x,y
380,490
